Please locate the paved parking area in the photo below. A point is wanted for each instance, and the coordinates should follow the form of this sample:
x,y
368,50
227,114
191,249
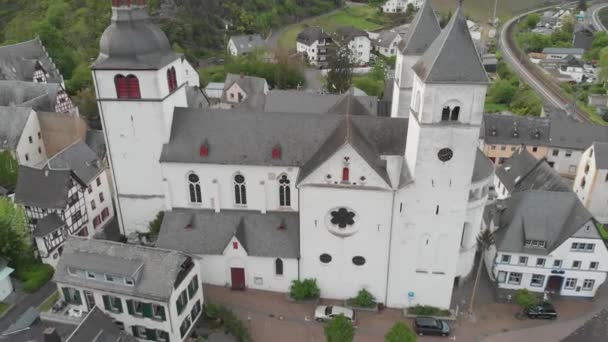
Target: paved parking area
x,y
270,317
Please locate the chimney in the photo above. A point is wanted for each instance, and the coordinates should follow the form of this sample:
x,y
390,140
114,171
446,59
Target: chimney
x,y
50,335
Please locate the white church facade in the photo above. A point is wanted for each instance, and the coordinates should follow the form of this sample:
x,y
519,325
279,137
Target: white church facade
x,y
392,205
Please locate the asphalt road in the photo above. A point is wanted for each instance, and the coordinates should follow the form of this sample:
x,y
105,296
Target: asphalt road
x,y
519,68
26,301
594,17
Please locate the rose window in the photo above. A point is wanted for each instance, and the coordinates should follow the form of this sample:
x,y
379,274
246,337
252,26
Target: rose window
x,y
342,218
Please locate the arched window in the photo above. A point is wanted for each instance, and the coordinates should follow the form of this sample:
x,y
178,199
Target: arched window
x,y
284,191
133,83
240,191
194,187
445,113
171,79
455,113
122,90
278,267
345,174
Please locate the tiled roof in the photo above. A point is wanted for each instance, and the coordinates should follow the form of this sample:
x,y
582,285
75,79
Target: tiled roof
x,y
12,123
247,43
19,62
54,182
422,32
79,158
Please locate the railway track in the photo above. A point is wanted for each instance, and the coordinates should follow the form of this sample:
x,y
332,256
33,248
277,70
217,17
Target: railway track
x,y
548,88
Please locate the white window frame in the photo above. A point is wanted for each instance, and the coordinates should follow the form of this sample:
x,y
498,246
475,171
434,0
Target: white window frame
x,y
588,284
521,275
540,262
597,264
525,262
507,256
573,286
502,276
537,284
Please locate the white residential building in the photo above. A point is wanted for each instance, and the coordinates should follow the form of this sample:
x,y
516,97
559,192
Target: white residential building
x,y
358,43
153,294
591,182
314,43
572,67
21,136
268,197
245,44
546,242
398,6
387,43
561,53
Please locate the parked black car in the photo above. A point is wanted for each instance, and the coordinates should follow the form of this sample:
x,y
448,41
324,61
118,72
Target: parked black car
x,y
431,326
543,310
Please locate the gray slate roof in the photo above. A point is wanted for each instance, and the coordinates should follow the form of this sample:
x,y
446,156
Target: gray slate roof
x,y
38,96
452,58
524,172
155,279
292,101
311,34
96,140
483,168
576,135
600,153
253,135
19,62
502,128
555,113
48,224
196,98
251,85
99,327
345,34
79,158
386,38
133,42
540,215
423,31
43,188
12,123
563,51
204,232
247,43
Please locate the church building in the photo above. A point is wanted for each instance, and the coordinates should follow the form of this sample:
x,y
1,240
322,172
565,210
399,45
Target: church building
x,y
389,204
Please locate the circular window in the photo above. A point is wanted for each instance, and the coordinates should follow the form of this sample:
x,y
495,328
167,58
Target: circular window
x,y
359,260
341,221
240,179
193,178
325,258
445,154
342,218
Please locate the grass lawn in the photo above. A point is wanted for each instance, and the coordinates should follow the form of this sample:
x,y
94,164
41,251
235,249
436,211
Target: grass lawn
x,y
361,17
48,303
482,10
603,231
3,307
33,274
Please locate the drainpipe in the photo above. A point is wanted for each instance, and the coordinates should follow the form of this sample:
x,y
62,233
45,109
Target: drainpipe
x,y
265,199
217,196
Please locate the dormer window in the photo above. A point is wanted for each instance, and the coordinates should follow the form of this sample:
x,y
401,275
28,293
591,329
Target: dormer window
x,y
535,243
129,282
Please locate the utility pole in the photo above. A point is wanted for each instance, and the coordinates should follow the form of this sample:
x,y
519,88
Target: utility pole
x,y
494,16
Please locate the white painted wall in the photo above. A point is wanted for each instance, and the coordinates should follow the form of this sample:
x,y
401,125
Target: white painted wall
x,y
135,131
232,48
361,48
103,188
404,81
594,193
6,287
567,256
217,186
564,164
32,153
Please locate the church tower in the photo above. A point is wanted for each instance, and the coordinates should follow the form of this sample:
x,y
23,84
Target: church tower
x,y
138,81
423,31
449,89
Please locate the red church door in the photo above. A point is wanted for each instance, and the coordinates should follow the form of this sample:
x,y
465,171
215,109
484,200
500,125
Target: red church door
x,y
238,278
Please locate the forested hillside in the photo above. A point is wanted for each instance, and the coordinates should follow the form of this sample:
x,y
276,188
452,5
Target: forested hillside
x,y
70,29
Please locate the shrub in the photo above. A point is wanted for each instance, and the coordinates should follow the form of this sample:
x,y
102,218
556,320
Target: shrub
x,y
364,299
304,289
427,310
400,333
525,298
339,329
155,225
228,319
33,274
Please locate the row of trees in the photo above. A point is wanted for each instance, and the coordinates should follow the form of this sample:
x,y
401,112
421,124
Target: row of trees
x,y
536,42
340,329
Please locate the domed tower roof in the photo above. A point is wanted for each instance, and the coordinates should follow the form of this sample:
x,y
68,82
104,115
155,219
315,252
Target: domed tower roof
x,y
132,41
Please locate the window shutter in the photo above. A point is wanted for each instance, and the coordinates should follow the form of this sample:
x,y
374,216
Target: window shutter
x,y
66,294
151,334
106,302
122,90
147,310
135,331
178,305
133,86
118,303
130,307
77,298
161,313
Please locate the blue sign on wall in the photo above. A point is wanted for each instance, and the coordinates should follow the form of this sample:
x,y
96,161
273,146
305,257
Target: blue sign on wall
x,y
410,295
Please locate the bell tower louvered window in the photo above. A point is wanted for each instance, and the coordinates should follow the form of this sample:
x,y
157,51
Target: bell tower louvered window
x,y
171,79
127,87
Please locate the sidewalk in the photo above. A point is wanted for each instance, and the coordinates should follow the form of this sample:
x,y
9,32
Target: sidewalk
x,y
23,301
270,317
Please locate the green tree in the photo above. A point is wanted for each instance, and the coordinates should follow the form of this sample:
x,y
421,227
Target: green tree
x,y
525,299
531,21
87,105
502,91
600,41
9,168
339,329
15,239
400,333
154,225
582,5
340,75
526,102
603,65
485,240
